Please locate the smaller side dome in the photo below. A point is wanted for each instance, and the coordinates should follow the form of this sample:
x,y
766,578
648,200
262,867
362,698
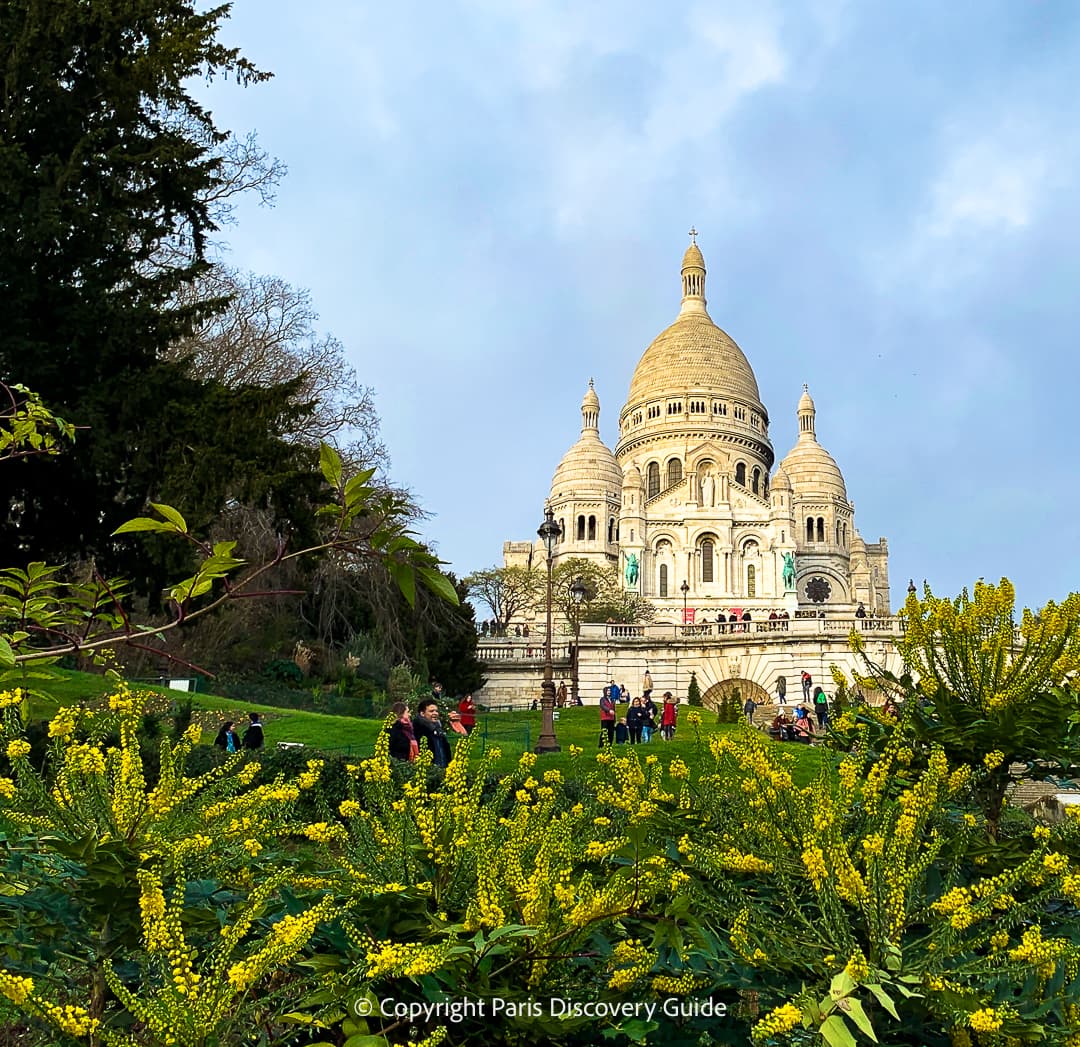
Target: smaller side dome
x,y
588,467
810,468
632,476
780,481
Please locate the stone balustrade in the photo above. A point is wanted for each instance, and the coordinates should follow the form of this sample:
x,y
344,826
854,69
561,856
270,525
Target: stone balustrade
x,y
739,632
517,649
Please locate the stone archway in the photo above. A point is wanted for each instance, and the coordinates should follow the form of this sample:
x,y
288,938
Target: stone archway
x,y
746,688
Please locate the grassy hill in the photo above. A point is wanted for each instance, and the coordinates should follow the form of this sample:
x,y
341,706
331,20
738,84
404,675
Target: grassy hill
x,y
513,732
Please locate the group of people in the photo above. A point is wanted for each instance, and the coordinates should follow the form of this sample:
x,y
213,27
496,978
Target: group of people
x,y
641,722
496,628
228,739
407,732
785,728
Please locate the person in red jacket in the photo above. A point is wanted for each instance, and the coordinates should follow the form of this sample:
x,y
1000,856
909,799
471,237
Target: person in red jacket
x,y
467,708
668,715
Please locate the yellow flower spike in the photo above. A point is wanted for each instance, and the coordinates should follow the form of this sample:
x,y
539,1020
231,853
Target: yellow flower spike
x,y
777,1022
985,1020
18,749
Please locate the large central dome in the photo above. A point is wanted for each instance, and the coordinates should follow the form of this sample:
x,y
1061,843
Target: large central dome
x,y
693,354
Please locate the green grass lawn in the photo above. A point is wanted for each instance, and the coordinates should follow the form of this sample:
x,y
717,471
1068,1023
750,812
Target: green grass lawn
x,y
512,732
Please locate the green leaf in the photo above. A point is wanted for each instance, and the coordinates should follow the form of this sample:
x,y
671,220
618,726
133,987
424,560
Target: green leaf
x,y
330,463
172,516
884,999
439,584
835,1033
143,523
404,579
7,655
854,1010
841,985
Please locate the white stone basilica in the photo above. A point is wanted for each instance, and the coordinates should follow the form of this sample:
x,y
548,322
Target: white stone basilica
x,y
689,496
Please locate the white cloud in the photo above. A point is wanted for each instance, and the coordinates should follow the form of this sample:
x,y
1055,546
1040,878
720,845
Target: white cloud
x,y
986,185
719,60
994,180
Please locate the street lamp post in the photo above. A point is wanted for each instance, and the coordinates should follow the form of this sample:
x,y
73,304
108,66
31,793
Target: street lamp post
x,y
684,589
549,532
578,592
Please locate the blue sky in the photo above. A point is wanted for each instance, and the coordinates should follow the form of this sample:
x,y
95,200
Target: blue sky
x,y
489,203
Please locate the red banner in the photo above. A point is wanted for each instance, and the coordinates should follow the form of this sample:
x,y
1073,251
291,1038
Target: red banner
x,y
688,615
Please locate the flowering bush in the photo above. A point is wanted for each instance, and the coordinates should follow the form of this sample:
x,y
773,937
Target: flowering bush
x,y
103,867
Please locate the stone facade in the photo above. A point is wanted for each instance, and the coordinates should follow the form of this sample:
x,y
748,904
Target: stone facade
x,y
689,504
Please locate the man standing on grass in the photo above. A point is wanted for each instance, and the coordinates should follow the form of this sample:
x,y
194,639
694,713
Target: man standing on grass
x,y
428,727
253,736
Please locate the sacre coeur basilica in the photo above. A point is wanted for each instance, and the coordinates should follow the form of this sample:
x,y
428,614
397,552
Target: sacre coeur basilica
x,y
757,571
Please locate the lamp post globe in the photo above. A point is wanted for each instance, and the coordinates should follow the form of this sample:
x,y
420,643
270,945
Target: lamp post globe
x,y
578,593
684,589
549,532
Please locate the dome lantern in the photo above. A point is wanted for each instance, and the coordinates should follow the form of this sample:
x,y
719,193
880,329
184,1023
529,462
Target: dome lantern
x,y
807,413
590,410
693,278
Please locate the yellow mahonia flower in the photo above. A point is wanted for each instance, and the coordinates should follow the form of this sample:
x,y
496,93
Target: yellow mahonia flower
x,y
814,860
778,1021
985,1020
15,987
993,760
63,724
857,969
18,749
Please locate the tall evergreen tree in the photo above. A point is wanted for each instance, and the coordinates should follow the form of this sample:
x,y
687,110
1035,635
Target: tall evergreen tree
x,y
105,160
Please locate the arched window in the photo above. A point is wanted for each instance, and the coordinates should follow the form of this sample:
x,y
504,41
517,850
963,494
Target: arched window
x,y
809,528
837,532
821,528
562,528
663,579
581,528
751,580
740,474
707,560
755,480
592,528
652,472
611,530
674,472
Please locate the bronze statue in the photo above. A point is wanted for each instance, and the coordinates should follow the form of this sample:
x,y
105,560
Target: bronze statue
x,y
789,572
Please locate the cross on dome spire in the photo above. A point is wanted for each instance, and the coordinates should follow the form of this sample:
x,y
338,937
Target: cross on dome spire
x,y
693,277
